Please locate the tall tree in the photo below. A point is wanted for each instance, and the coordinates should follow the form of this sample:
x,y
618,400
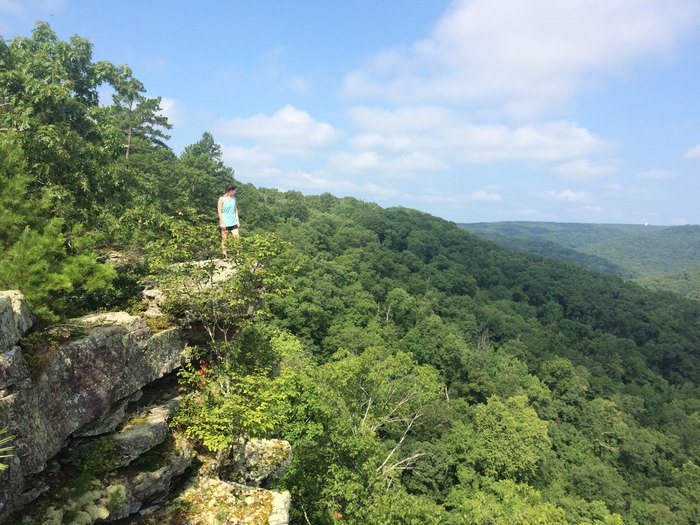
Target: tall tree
x,y
204,174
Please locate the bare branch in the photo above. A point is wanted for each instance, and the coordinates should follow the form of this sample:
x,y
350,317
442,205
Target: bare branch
x,y
388,418
607,447
404,464
398,445
364,418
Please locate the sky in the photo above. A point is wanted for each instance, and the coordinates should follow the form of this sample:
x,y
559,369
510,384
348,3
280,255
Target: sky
x,y
471,110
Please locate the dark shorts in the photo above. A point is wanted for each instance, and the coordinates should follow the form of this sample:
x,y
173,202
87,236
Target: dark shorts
x,y
229,228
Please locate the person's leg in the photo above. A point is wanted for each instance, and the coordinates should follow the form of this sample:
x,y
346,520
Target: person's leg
x,y
235,233
224,236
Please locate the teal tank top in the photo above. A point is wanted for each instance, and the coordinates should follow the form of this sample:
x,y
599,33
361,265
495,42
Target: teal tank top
x,y
228,210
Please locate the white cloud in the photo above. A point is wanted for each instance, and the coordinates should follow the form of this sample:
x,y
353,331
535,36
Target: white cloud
x,y
371,162
246,157
297,84
433,132
567,196
442,200
321,181
523,56
275,72
656,175
546,141
406,119
590,210
585,170
487,196
32,7
171,109
618,191
692,153
289,131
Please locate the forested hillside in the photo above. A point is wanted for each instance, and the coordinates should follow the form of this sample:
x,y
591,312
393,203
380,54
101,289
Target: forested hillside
x,y
624,249
685,283
421,374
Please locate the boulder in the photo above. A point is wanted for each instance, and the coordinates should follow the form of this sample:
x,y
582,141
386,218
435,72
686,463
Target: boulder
x,y
279,514
154,299
254,462
148,486
13,368
15,319
212,500
141,435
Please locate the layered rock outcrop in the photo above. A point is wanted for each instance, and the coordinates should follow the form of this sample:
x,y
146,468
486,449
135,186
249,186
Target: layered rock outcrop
x,y
89,413
111,357
227,489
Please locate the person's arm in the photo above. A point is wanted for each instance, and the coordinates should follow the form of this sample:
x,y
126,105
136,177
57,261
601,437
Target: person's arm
x,y
218,209
238,221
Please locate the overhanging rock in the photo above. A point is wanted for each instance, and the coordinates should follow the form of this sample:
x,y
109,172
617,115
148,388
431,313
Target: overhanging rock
x,y
79,383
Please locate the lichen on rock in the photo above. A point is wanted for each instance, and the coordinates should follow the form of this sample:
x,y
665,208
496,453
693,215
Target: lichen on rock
x,y
209,501
16,318
254,462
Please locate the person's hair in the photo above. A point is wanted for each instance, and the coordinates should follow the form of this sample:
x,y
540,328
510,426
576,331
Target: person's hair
x,y
230,187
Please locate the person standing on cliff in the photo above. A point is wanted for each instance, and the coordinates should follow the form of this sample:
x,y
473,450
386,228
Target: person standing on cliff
x,y
228,215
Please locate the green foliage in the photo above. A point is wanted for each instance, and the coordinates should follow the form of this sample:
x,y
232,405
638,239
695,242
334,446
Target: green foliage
x,y
396,506
235,394
205,174
4,447
117,497
505,503
38,264
628,250
96,458
685,283
220,297
18,206
510,439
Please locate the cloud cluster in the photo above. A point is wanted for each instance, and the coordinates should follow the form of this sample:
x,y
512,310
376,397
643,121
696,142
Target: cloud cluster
x,y
485,195
173,111
585,169
445,133
486,87
523,56
289,131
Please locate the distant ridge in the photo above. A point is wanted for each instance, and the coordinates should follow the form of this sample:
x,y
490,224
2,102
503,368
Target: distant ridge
x,y
628,250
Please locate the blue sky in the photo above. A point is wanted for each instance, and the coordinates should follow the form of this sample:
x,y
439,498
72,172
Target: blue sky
x,y
475,110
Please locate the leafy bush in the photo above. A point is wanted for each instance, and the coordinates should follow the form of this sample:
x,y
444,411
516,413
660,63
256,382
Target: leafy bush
x,y
233,395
